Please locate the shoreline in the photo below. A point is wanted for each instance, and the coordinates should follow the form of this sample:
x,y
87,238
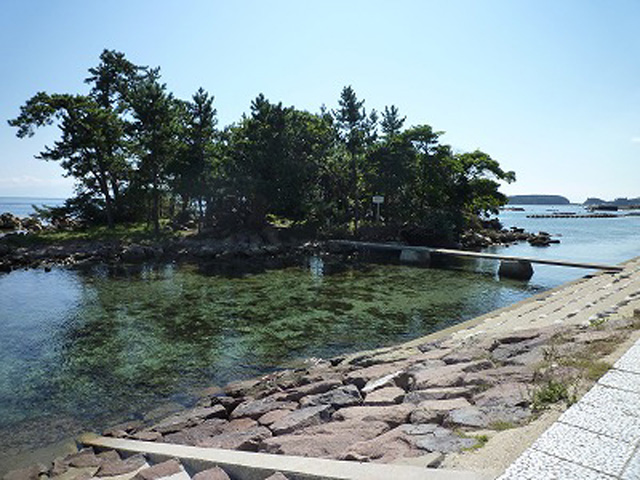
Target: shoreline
x,y
450,343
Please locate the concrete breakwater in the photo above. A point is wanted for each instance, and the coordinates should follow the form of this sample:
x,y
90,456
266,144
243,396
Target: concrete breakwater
x,y
471,396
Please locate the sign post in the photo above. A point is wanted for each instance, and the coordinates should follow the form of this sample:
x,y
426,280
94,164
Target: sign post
x,y
378,199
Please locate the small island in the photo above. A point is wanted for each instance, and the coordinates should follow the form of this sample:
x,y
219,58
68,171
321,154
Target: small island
x,y
538,200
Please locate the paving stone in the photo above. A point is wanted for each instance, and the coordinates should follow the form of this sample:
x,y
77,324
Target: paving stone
x,y
630,361
304,417
580,446
603,396
615,420
535,465
632,470
215,473
620,379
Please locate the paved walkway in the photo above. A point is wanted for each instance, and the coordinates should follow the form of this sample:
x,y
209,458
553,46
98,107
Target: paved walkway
x,y
597,438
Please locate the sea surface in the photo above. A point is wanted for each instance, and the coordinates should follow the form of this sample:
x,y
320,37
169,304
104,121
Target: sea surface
x,y
81,349
23,206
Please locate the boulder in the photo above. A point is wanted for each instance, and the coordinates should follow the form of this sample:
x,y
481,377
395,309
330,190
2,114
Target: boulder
x,y
443,393
299,419
434,411
314,388
247,440
189,418
393,415
193,435
256,408
121,467
384,372
515,269
329,440
215,473
346,396
384,396
160,470
9,221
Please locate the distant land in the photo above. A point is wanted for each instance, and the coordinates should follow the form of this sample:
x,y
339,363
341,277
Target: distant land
x,y
619,202
538,200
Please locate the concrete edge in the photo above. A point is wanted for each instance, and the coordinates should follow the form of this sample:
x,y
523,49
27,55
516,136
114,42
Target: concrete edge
x,y
258,466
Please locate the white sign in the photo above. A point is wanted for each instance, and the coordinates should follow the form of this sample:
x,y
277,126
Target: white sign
x,y
378,199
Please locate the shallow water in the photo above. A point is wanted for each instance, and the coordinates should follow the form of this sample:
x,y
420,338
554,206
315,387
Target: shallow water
x,y
83,349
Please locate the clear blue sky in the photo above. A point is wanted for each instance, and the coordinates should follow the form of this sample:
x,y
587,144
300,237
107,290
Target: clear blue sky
x,y
550,88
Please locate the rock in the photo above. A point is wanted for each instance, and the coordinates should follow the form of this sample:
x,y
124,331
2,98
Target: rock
x,y
121,467
146,436
193,435
277,476
464,355
384,396
468,417
424,377
304,417
443,393
346,396
247,440
386,381
256,408
127,428
272,417
311,389
84,458
445,441
215,473
511,394
505,374
240,425
160,470
434,411
329,440
9,221
516,269
385,448
30,473
189,418
362,376
393,415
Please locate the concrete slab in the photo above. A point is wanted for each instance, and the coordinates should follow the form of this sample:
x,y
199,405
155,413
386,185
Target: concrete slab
x,y
602,396
257,466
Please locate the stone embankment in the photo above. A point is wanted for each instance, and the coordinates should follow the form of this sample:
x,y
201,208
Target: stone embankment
x,y
432,402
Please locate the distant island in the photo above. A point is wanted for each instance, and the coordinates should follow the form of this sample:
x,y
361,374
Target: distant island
x,y
619,202
538,200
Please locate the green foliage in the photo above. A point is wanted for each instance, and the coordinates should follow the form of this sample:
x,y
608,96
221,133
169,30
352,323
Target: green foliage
x,y
551,392
139,154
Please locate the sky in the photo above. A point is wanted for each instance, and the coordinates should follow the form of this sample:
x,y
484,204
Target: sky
x,y
549,88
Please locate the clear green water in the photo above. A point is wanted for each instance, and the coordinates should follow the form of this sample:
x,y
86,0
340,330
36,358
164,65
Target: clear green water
x,y
85,349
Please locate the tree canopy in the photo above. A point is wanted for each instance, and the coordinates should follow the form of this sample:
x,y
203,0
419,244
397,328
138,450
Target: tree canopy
x,y
139,153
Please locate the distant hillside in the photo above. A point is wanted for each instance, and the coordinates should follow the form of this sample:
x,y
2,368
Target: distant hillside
x,y
538,200
619,202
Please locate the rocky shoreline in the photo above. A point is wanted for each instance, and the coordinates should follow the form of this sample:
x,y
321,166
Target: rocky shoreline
x,y
269,244
423,403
